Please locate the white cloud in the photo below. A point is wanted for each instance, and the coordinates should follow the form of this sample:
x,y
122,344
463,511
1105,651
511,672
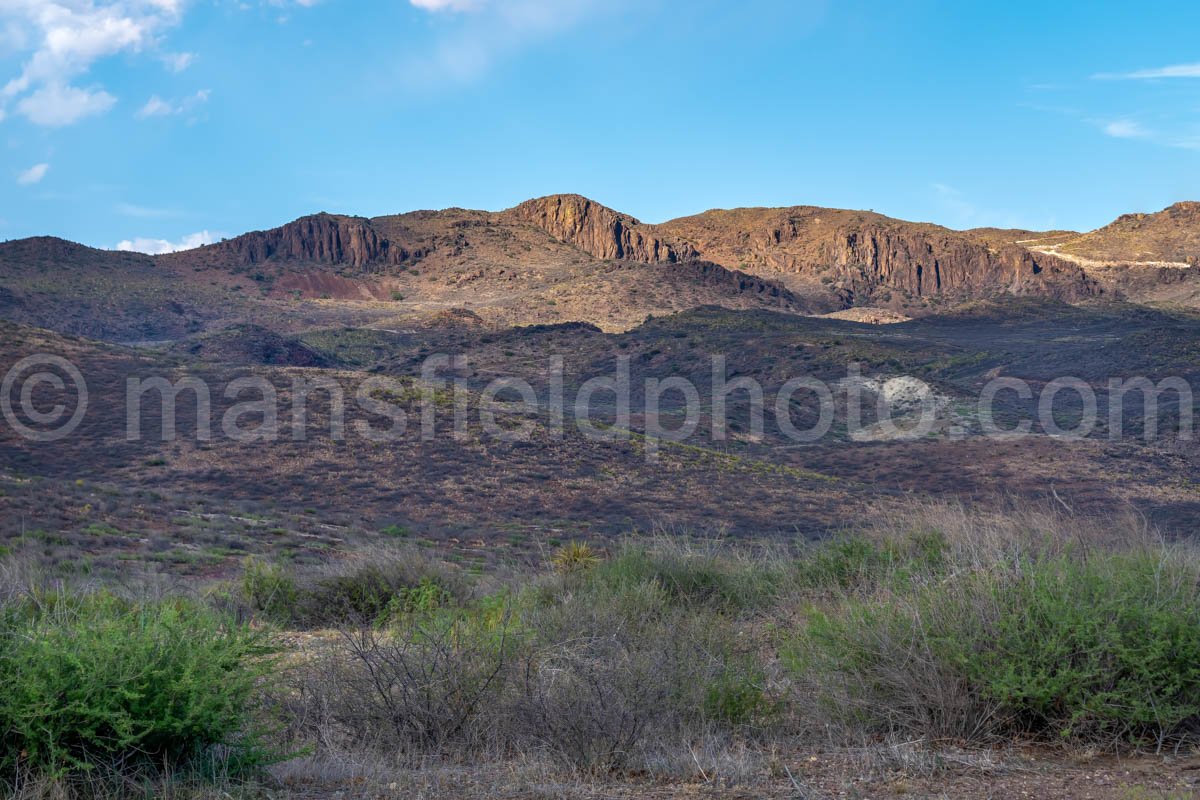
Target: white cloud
x,y
157,107
1126,129
178,62
13,38
157,247
55,105
33,175
448,5
1168,133
63,39
1172,71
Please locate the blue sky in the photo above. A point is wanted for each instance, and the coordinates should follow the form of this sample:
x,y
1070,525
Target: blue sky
x,y
170,122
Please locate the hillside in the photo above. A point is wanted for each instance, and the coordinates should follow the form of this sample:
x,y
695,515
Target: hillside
x,y
1170,237
313,508
566,258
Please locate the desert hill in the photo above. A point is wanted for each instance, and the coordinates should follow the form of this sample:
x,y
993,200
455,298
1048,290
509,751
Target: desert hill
x,y
566,258
833,258
756,483
1170,237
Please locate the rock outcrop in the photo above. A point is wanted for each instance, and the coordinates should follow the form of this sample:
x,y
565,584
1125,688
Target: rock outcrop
x,y
321,238
598,230
317,239
863,251
855,254
926,264
857,251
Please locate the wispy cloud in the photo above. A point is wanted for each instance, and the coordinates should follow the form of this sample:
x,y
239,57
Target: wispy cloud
x,y
144,212
157,107
1126,129
1160,120
483,33
33,175
1167,133
1172,71
956,203
63,40
957,210
156,247
448,5
178,62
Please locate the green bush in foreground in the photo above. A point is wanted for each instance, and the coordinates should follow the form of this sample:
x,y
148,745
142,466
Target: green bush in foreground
x,y
1102,649
1109,647
99,681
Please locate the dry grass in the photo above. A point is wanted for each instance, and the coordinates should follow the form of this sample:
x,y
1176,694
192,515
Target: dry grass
x,y
661,666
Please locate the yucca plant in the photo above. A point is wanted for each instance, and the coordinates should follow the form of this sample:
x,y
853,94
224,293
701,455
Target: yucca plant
x,y
575,557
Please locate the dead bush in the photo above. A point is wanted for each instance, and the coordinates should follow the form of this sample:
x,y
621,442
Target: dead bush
x,y
424,684
617,675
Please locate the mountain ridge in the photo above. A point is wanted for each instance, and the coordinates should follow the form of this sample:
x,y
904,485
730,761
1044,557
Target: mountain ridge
x,y
566,257
864,251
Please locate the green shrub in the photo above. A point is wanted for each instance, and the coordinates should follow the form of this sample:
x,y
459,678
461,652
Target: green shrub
x,y
736,697
1099,650
864,563
842,564
427,596
372,588
270,590
95,681
363,594
874,666
689,578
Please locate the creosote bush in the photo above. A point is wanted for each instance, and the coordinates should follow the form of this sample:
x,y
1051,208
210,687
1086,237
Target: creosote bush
x,y
1009,631
95,683
723,580
369,587
1093,649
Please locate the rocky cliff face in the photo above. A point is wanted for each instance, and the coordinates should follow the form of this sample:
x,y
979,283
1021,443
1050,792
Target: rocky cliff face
x,y
862,251
926,264
321,238
597,230
858,251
